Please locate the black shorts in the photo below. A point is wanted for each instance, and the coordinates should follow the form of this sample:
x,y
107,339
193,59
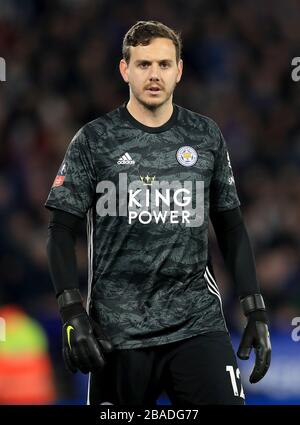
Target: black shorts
x,y
194,371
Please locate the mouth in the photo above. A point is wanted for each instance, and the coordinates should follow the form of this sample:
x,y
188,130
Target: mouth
x,y
153,90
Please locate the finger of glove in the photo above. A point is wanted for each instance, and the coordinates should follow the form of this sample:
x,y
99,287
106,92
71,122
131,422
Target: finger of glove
x,y
261,366
95,354
106,346
70,366
263,354
245,346
81,357
101,337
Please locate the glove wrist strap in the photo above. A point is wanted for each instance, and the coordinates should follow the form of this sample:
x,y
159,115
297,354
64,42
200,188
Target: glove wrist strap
x,y
252,303
69,297
71,311
70,304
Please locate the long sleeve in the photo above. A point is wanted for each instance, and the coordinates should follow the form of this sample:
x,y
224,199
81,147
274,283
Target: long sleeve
x,y
61,250
236,249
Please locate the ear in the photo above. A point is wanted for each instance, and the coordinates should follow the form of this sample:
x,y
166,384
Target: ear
x,y
123,67
180,70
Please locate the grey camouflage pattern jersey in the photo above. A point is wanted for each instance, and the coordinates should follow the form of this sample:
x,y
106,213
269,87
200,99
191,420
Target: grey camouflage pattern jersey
x,y
149,278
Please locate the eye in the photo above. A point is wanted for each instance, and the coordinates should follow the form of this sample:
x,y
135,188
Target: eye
x,y
143,65
164,65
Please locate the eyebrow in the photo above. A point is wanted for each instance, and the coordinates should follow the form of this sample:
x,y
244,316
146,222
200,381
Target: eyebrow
x,y
138,61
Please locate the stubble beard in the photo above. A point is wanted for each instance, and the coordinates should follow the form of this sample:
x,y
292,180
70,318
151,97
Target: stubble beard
x,y
156,105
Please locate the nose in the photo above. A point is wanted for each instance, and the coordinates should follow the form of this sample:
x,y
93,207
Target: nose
x,y
154,73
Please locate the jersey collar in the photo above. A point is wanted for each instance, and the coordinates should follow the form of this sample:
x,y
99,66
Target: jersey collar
x,y
166,126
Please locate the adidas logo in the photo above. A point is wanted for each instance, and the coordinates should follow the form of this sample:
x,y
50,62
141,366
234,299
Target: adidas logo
x,y
126,159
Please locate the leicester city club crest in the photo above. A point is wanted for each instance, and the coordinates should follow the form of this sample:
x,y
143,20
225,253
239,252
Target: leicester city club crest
x,y
186,156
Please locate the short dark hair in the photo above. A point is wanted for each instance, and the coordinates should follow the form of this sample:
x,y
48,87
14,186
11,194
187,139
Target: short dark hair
x,y
143,32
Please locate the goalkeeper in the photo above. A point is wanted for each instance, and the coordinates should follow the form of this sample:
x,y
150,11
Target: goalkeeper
x,y
154,318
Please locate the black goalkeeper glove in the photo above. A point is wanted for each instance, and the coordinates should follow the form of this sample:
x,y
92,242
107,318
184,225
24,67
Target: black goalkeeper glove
x,y
84,344
256,334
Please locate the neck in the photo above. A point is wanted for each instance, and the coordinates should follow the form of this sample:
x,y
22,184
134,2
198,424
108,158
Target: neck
x,y
150,117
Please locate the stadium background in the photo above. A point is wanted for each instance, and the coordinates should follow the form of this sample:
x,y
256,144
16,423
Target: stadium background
x,y
62,71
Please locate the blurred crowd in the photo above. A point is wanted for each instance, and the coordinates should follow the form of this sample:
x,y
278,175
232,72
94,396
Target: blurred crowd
x,y
62,71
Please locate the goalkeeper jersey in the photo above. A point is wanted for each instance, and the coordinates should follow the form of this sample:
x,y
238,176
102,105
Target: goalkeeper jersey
x,y
147,193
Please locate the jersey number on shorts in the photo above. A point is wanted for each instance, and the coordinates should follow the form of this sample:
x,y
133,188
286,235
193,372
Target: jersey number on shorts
x,y
234,377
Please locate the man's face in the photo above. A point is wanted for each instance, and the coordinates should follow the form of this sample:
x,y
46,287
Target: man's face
x,y
152,72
